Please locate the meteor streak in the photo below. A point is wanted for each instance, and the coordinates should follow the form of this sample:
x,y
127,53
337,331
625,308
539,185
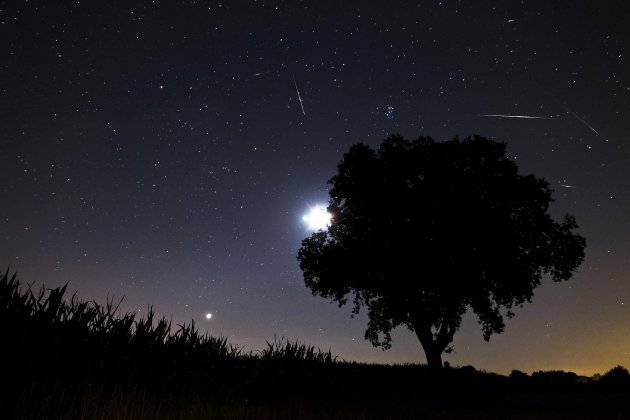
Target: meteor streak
x,y
590,127
299,97
526,117
577,117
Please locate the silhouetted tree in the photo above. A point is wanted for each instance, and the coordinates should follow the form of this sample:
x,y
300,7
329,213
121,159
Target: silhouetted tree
x,y
617,377
422,231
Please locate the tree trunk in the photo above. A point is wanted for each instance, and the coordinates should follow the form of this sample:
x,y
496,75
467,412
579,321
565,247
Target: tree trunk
x,y
433,347
434,357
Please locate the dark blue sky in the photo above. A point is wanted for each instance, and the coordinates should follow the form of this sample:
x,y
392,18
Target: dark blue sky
x,y
158,150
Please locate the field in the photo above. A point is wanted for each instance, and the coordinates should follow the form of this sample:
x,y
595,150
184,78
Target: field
x,y
65,358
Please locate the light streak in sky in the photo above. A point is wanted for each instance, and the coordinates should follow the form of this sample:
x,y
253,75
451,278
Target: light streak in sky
x,y
527,117
577,117
590,127
258,74
299,97
261,73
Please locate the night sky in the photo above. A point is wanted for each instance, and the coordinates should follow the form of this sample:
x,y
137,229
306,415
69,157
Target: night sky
x,y
166,151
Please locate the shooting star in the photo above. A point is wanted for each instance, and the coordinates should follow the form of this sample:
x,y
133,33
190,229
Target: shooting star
x,y
577,117
526,117
566,186
260,73
586,124
299,97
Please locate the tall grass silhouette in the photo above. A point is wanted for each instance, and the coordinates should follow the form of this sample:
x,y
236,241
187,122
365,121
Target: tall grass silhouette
x,y
283,350
85,334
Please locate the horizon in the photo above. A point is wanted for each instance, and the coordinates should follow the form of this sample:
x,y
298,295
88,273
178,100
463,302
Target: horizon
x,y
600,370
246,350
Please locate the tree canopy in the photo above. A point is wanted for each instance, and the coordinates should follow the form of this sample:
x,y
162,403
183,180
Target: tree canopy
x,y
423,231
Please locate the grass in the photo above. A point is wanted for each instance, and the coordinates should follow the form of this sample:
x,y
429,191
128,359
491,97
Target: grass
x,y
282,350
66,358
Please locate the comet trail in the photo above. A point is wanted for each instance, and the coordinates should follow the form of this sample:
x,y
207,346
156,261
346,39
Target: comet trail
x,y
299,97
526,117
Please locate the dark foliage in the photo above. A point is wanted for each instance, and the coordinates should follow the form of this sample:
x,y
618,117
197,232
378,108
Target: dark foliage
x,y
85,338
423,231
617,377
555,380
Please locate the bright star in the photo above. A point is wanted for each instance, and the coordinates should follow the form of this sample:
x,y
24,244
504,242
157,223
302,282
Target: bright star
x,y
208,316
317,218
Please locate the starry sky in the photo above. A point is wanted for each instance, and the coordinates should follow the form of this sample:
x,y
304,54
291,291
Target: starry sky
x,y
166,151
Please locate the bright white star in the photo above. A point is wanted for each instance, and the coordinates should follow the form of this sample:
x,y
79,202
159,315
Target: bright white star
x,y
208,316
317,218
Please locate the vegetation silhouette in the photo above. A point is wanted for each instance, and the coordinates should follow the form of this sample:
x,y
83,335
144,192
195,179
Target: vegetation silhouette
x,y
423,231
65,358
616,378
